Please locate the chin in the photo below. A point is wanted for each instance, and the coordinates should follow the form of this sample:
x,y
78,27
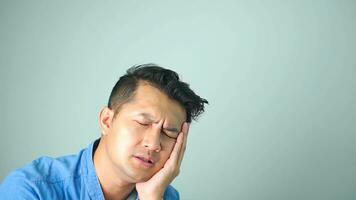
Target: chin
x,y
141,174
138,178
143,179
138,175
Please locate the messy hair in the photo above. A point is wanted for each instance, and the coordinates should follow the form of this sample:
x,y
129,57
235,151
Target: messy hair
x,y
163,79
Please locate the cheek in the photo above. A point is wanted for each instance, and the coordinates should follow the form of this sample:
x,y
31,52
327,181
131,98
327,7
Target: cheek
x,y
122,142
167,146
115,146
131,134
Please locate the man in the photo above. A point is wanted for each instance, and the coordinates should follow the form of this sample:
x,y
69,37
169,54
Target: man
x,y
144,132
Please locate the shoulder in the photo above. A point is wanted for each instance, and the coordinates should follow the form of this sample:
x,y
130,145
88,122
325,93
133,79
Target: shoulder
x,y
17,183
39,176
48,169
171,193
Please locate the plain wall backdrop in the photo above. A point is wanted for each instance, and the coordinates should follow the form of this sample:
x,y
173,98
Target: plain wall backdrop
x,y
280,77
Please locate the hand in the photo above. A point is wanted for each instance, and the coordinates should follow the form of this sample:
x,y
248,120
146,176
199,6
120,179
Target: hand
x,y
155,187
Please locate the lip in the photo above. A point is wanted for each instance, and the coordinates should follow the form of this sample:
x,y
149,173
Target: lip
x,y
146,162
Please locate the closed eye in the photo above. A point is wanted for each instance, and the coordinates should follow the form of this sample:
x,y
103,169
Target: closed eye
x,y
171,135
142,124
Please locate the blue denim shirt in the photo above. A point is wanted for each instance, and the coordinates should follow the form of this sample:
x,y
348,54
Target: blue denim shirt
x,y
67,177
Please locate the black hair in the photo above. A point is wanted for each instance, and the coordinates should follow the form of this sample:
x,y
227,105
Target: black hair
x,y
163,79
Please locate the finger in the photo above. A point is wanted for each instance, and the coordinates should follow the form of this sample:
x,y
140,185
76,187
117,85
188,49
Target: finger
x,y
185,132
176,149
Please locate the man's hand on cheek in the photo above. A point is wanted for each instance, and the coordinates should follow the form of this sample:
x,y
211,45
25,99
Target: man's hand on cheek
x,y
155,187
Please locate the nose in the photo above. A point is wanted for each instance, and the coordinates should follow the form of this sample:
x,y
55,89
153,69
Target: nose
x,y
151,140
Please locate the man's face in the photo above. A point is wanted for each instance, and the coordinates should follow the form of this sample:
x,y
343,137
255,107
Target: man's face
x,y
143,134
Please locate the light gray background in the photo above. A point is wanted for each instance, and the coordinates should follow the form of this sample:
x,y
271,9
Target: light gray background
x,y
279,75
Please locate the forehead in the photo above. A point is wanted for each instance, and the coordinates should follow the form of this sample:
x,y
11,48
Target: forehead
x,y
151,100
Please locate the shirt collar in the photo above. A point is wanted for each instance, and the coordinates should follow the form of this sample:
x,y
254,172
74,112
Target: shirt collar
x,y
91,179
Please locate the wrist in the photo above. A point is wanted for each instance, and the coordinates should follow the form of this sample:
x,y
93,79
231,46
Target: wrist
x,y
150,197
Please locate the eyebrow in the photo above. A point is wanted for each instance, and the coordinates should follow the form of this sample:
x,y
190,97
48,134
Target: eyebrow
x,y
152,120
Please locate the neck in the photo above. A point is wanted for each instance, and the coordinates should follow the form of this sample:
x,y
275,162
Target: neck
x,y
112,185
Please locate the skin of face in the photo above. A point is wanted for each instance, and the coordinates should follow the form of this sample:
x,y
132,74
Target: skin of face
x,y
147,126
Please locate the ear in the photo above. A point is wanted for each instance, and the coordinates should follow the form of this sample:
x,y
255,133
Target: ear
x,y
105,118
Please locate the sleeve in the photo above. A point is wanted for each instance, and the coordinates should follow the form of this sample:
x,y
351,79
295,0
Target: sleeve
x,y
17,187
171,193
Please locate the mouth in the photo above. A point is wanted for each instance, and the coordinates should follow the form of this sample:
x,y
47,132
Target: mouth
x,y
146,162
